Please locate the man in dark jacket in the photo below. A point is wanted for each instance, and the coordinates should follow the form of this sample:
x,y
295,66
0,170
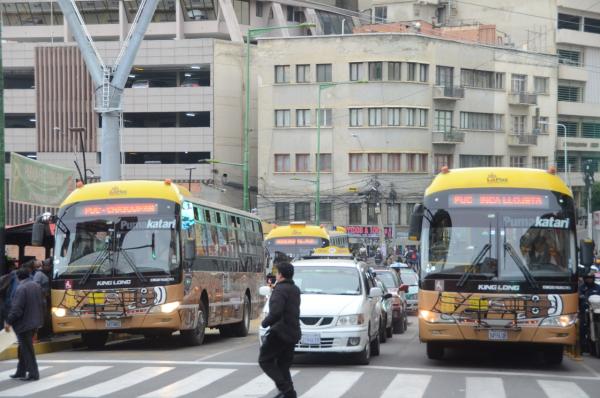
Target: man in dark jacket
x,y
25,316
277,350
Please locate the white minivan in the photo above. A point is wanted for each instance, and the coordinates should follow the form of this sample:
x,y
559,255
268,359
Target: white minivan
x,y
339,310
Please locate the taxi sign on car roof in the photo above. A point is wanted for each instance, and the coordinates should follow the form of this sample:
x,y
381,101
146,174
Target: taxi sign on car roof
x,y
332,251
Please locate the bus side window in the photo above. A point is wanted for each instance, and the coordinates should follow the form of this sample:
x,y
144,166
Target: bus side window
x,y
196,214
218,217
207,216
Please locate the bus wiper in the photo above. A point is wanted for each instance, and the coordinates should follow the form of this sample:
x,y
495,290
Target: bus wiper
x,y
474,263
513,254
103,255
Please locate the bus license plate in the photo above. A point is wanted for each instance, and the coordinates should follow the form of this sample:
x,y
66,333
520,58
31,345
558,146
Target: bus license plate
x,y
311,339
113,324
498,335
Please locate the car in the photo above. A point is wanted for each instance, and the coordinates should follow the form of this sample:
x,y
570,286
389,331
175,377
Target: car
x,y
398,265
410,278
387,315
339,310
140,84
393,283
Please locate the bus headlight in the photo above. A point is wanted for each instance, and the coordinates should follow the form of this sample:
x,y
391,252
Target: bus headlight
x,y
560,320
350,320
166,308
435,317
59,312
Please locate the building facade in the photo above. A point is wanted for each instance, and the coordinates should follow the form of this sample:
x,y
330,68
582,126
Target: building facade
x,y
394,109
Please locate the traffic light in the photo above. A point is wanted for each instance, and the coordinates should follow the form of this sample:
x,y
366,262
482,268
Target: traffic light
x,y
588,172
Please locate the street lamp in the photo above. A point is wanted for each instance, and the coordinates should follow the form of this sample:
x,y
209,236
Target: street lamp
x,y
250,34
566,162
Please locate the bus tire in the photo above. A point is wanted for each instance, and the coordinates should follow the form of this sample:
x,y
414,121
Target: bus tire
x,y
241,328
435,350
553,355
94,340
194,337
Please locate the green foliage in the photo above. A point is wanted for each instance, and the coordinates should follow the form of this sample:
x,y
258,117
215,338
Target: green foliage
x,y
595,197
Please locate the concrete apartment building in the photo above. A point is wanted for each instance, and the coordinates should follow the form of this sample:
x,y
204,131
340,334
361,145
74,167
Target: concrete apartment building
x,y
395,108
184,100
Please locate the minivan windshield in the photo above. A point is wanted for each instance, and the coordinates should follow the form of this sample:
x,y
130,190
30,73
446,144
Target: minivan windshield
x,y
327,280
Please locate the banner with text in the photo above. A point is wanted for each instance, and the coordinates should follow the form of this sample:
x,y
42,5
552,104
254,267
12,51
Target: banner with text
x,y
367,231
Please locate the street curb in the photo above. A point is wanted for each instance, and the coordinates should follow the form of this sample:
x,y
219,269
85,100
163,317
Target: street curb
x,y
42,347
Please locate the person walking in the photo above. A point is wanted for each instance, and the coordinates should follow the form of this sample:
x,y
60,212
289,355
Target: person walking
x,y
25,316
283,320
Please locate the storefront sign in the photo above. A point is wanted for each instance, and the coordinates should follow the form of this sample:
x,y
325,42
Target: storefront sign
x,y
367,231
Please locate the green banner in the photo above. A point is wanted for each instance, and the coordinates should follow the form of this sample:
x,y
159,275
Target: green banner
x,y
38,183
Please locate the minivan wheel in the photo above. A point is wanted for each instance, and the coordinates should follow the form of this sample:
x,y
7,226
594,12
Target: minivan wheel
x,y
382,335
364,357
375,346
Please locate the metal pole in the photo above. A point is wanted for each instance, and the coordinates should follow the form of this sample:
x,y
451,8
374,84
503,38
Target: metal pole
x,y
190,177
80,130
565,155
589,209
2,161
318,182
245,167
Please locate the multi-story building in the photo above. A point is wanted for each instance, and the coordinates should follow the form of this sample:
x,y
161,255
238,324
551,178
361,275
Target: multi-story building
x,y
394,109
184,100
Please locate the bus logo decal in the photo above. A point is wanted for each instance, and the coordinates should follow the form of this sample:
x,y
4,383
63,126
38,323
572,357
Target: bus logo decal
x,y
160,224
160,295
551,223
439,285
494,179
117,191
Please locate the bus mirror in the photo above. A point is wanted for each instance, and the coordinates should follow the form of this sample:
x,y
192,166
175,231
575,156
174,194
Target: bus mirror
x,y
38,234
586,253
416,221
189,250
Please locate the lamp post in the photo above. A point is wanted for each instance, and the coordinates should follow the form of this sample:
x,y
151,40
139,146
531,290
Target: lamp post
x,y
254,33
190,177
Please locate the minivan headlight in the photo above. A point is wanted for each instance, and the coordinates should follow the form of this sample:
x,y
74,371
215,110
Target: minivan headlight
x,y
560,320
351,320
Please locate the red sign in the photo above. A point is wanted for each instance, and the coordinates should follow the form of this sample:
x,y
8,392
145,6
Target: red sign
x,y
498,200
367,231
117,209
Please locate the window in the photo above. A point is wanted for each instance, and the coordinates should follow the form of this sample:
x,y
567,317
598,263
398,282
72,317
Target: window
x,y
323,72
325,160
394,162
380,14
356,71
259,9
444,76
570,93
302,211
409,210
518,83
393,214
518,161
282,118
354,213
23,79
394,70
375,162
412,72
540,162
519,124
20,120
481,79
566,21
375,116
372,213
571,128
302,117
375,70
325,117
591,25
540,85
443,121
590,129
302,73
423,163
356,117
394,116
164,157
282,163
410,116
422,117
325,211
441,160
423,72
355,162
480,161
480,121
540,126
411,162
569,57
302,162
282,73
282,211
295,14
165,119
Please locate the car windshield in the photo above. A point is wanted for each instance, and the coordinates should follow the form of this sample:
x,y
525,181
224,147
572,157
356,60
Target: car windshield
x,y
387,278
327,280
409,278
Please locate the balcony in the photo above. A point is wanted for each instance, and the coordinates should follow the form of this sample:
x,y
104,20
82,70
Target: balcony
x,y
526,99
448,93
448,137
522,139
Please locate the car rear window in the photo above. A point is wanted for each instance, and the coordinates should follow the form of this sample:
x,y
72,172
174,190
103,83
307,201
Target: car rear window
x,y
327,280
387,278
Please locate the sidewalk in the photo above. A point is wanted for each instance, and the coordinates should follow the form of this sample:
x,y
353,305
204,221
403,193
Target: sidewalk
x,y
56,343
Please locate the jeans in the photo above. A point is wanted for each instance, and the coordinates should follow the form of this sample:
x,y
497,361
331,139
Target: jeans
x,y
27,362
275,360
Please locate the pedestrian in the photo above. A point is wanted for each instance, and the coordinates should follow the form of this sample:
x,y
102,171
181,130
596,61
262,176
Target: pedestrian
x,y
8,287
283,321
25,317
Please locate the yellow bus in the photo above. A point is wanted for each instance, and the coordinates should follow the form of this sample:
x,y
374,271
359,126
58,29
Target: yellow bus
x,y
299,239
498,260
146,257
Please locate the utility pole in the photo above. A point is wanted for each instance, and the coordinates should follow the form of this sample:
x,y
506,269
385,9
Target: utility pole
x,y
3,160
81,130
190,177
588,176
392,200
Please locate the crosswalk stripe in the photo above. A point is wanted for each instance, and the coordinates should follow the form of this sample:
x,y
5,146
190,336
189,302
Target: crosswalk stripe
x,y
561,389
333,385
190,384
52,381
485,387
257,387
120,383
407,386
4,375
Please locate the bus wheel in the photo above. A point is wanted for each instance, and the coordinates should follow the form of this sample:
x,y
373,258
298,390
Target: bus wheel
x,y
195,336
241,328
553,355
435,350
94,340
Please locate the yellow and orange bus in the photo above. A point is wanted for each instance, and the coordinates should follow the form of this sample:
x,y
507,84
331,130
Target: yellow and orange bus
x,y
300,239
146,257
498,260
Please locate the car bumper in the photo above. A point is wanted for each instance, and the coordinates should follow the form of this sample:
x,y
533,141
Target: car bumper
x,y
332,340
412,305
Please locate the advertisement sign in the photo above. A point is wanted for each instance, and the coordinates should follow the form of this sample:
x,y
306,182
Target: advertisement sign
x,y
367,231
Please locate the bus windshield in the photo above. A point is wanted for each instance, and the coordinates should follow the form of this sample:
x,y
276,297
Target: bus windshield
x,y
117,238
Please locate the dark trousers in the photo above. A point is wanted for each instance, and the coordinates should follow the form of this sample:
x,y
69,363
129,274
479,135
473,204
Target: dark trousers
x,y
27,362
275,360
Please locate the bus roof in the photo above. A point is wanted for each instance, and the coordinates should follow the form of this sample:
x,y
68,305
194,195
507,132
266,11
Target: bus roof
x,y
497,177
298,229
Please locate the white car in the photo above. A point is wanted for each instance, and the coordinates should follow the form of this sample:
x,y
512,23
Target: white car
x,y
339,310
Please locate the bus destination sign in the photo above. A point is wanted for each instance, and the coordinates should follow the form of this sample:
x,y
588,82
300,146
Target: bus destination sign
x,y
111,209
498,200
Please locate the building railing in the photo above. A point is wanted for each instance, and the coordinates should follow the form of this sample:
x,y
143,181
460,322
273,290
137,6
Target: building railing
x,y
448,92
448,137
522,99
522,139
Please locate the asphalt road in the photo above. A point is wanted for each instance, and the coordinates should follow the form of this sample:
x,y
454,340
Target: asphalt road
x,y
226,367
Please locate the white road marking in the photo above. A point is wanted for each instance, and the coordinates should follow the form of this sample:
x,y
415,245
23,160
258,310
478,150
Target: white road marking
x,y
485,387
333,385
190,384
120,383
257,387
216,354
562,389
56,380
407,386
5,374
